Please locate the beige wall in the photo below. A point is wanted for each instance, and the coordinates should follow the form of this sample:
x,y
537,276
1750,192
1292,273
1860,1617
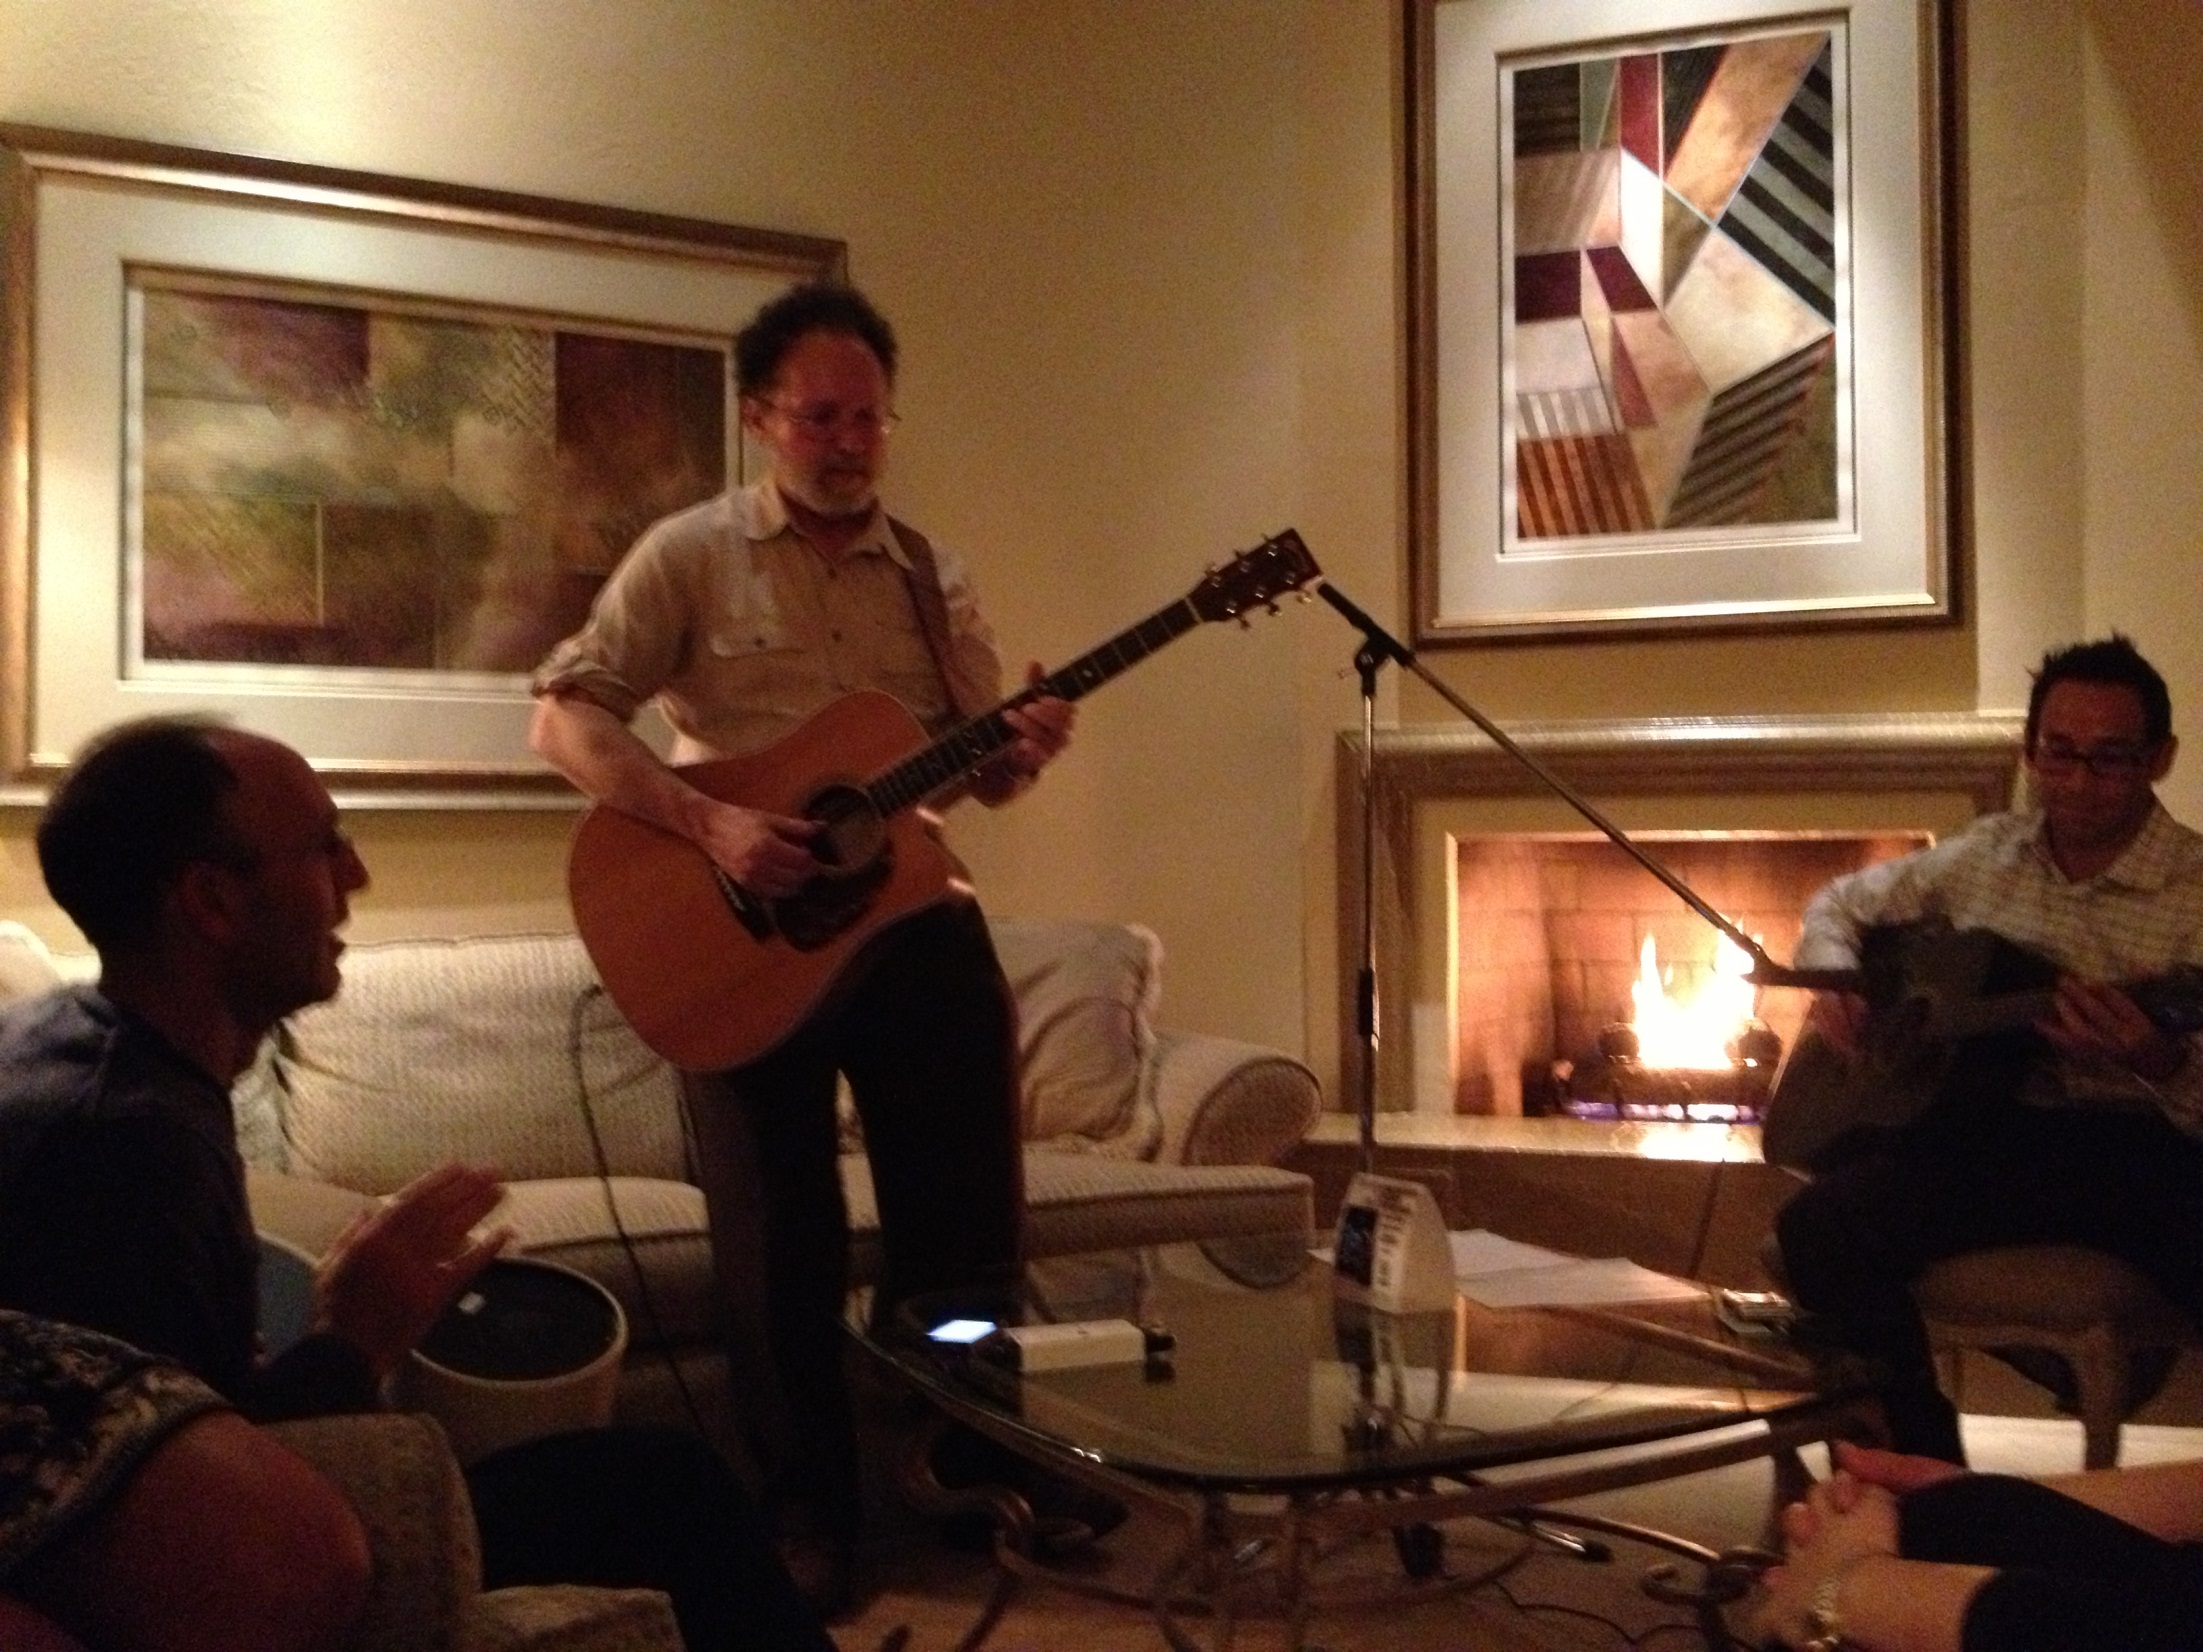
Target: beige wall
x,y
1143,258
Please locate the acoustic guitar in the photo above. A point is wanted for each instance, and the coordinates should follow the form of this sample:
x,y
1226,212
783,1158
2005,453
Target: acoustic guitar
x,y
712,976
1945,1007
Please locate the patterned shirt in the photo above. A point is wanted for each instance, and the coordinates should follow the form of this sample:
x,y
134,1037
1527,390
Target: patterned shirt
x,y
740,629
79,1414
2139,917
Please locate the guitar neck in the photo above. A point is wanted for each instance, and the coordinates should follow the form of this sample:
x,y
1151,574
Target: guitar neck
x,y
972,743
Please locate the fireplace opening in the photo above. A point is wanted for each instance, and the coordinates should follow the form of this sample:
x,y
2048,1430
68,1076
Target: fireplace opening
x,y
1586,987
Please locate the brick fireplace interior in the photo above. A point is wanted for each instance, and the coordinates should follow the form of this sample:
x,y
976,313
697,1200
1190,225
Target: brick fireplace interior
x,y
1549,937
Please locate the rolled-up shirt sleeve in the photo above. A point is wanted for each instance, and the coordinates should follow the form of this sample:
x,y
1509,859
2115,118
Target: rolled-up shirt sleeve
x,y
636,637
1889,892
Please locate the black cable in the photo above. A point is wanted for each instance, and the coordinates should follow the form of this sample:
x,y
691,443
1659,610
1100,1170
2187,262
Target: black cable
x,y
1585,1614
643,1296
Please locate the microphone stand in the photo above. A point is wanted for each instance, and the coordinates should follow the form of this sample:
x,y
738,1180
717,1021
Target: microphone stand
x,y
1379,646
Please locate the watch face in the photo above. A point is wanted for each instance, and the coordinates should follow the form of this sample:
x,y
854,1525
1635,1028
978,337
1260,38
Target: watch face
x,y
1356,1253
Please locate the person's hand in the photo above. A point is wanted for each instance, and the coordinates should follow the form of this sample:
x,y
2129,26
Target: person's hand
x,y
1844,1520
2091,1018
767,854
1892,1470
389,1274
1043,729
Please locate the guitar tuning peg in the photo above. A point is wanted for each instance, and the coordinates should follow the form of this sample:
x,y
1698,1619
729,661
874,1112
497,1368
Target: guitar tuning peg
x,y
1245,624
1272,606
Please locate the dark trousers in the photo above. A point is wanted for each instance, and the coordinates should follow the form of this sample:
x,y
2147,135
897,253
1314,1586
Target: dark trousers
x,y
2069,1578
925,1029
641,1508
1856,1238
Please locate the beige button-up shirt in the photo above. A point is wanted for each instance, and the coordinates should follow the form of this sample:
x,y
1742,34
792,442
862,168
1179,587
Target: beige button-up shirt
x,y
740,630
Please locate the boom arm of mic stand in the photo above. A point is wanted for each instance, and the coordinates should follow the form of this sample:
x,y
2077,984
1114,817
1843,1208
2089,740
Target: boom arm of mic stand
x,y
1765,971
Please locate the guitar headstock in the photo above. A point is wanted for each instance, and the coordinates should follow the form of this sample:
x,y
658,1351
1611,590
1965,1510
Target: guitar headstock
x,y
1279,564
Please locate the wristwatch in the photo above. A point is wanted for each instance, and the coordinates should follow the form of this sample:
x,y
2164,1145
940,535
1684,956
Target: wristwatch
x,y
1822,1618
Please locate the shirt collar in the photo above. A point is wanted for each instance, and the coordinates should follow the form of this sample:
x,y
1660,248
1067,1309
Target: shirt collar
x,y
2150,862
765,516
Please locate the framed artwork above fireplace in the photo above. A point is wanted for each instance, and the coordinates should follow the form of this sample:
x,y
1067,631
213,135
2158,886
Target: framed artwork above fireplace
x,y
1681,342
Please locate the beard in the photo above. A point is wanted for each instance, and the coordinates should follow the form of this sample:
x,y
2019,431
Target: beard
x,y
836,493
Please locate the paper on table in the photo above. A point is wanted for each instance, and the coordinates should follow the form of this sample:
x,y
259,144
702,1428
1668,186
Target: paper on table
x,y
1505,1273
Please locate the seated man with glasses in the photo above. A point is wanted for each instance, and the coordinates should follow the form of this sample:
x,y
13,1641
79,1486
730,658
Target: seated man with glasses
x,y
2085,1127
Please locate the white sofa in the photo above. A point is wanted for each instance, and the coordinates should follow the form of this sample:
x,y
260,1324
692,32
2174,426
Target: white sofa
x,y
505,1051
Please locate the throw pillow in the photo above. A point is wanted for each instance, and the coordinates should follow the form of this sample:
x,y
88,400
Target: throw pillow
x,y
1085,996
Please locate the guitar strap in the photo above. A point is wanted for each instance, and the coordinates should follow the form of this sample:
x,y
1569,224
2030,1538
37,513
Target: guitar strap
x,y
924,579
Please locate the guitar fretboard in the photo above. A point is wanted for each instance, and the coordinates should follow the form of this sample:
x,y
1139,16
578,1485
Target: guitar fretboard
x,y
972,742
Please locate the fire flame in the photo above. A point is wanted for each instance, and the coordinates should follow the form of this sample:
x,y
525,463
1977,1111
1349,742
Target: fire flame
x,y
1694,1032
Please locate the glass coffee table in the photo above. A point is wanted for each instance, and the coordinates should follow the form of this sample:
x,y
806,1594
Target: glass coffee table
x,y
1285,1423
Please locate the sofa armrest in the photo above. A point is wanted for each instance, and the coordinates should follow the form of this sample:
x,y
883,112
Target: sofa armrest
x,y
401,1479
1224,1101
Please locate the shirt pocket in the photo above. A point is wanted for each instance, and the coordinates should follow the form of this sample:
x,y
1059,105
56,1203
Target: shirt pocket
x,y
748,639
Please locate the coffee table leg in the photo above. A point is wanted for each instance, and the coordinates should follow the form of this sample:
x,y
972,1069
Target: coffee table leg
x,y
1010,1515
1198,1543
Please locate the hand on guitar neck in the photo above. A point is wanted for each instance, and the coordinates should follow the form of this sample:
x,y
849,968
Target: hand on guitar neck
x,y
1043,724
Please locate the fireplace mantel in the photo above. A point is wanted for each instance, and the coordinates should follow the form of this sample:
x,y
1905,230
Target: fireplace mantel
x,y
1434,781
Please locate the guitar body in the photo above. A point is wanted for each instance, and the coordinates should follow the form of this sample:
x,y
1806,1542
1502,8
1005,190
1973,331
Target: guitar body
x,y
1949,1025
709,977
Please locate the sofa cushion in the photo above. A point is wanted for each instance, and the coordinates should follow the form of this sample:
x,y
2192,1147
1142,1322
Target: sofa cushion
x,y
1084,1202
1086,993
485,1050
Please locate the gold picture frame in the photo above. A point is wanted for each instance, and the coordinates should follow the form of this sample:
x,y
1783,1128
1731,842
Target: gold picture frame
x,y
1683,320
327,452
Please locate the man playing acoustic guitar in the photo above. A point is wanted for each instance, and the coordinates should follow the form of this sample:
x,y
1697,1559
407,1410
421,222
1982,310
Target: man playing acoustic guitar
x,y
2083,1127
742,617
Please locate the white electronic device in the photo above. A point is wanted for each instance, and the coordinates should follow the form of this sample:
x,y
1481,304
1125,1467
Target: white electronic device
x,y
1391,1250
1029,1348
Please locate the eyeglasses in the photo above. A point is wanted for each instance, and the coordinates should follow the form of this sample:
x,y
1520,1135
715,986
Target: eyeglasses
x,y
2105,762
823,424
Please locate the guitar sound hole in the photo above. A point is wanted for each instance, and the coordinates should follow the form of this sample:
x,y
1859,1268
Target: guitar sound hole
x,y
855,848
854,834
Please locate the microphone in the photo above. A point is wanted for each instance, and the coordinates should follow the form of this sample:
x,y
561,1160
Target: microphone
x,y
1386,645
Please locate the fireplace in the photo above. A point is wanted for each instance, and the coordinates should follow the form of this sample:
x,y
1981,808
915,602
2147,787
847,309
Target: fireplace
x,y
1584,986
1509,932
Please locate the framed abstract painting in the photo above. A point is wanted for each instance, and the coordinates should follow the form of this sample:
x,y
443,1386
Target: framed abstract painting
x,y
1682,329
335,455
